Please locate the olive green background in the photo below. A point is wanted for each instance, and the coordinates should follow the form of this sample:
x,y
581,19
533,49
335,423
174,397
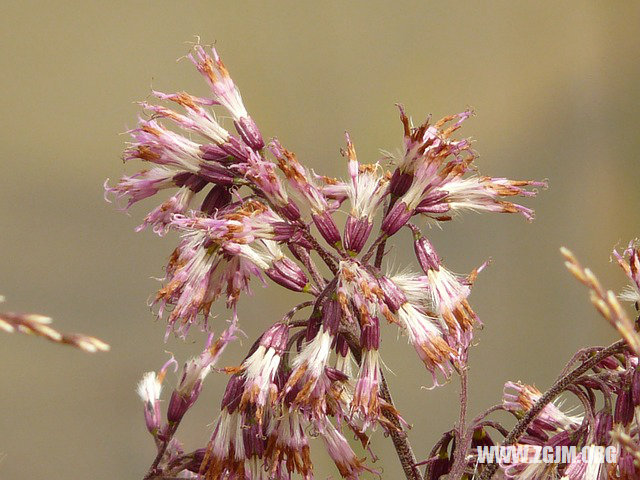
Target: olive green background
x,y
556,89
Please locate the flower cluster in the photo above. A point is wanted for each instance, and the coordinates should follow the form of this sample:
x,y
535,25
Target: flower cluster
x,y
264,214
606,383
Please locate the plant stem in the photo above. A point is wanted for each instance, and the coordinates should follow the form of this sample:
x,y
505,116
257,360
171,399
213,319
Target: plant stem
x,y
463,438
171,430
381,239
557,388
324,254
399,438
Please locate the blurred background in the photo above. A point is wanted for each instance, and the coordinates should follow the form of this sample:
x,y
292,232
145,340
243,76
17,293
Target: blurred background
x,y
556,89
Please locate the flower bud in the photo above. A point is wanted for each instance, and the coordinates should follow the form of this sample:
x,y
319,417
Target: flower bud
x,y
191,180
356,233
426,254
370,335
604,425
624,407
635,387
288,274
290,211
178,406
283,231
249,132
236,148
481,438
327,228
331,316
232,394
394,297
197,457
626,466
400,183
397,217
214,173
562,439
149,390
432,203
276,337
218,197
609,363
214,153
442,465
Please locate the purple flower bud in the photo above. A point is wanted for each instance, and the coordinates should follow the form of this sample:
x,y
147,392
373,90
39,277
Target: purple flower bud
x,y
635,387
609,363
218,197
370,335
562,439
283,231
433,209
152,417
335,375
536,435
214,153
233,394
481,438
441,466
394,297
217,174
298,238
288,274
331,316
197,457
313,326
327,228
191,180
291,395
432,200
426,254
626,466
342,346
290,211
433,203
624,408
178,406
253,440
604,425
396,218
356,233
400,183
276,337
249,132
236,148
